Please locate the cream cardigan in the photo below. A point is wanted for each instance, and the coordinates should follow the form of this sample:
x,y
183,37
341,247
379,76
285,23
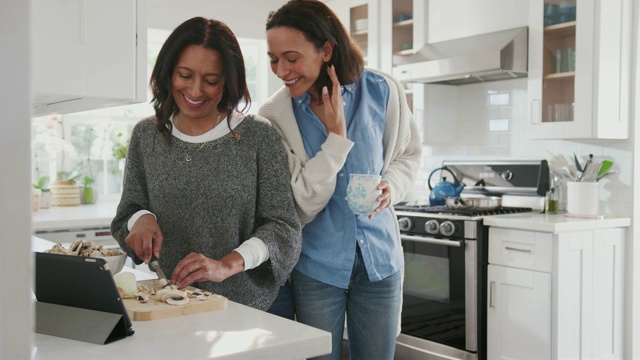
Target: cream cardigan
x,y
314,180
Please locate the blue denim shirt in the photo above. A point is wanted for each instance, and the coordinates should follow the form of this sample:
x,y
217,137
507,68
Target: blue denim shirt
x,y
329,240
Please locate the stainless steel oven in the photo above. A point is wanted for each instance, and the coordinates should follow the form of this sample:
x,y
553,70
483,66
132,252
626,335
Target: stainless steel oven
x,y
444,294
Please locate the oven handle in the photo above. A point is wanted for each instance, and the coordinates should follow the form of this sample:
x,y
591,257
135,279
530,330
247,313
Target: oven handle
x,y
429,240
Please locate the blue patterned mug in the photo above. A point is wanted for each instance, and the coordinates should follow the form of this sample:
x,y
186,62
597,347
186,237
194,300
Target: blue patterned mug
x,y
362,193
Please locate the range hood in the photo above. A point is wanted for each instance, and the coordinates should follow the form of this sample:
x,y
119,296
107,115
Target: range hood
x,y
493,56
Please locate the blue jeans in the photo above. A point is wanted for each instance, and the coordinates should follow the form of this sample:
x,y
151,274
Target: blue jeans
x,y
283,304
372,310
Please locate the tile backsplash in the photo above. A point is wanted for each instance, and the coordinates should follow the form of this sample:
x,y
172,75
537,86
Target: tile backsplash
x,y
491,124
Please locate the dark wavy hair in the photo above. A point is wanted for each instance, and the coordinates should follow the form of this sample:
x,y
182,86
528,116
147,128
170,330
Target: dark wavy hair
x,y
214,35
319,24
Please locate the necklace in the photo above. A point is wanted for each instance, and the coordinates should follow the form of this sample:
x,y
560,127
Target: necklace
x,y
188,157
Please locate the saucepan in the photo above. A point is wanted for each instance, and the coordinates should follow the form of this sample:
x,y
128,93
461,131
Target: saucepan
x,y
473,203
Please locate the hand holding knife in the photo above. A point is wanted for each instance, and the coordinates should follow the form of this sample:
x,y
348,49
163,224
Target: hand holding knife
x,y
156,267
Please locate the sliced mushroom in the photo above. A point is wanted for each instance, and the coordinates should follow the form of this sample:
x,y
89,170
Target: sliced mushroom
x,y
177,300
173,296
76,247
142,297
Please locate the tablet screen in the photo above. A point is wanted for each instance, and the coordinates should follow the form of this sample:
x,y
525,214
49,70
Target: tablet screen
x,y
77,281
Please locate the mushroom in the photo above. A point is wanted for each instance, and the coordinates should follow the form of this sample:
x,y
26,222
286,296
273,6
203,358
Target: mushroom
x,y
173,296
142,297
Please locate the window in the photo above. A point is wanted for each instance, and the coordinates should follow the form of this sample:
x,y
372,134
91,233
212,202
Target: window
x,y
91,143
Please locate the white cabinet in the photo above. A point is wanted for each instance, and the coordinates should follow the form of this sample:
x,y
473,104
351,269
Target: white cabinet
x,y
579,69
555,296
88,54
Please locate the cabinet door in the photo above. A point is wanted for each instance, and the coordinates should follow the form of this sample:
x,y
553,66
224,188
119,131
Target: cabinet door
x,y
589,291
519,314
577,69
88,54
59,56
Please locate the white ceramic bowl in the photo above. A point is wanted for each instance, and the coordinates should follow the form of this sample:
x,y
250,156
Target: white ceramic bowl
x,y
115,263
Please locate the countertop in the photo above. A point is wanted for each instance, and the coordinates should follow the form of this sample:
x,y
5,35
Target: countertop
x,y
237,332
557,223
99,214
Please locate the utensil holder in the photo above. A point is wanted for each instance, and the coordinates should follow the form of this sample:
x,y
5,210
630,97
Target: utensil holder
x,y
583,198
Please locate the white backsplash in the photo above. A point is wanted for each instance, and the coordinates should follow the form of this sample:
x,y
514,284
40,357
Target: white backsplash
x,y
492,125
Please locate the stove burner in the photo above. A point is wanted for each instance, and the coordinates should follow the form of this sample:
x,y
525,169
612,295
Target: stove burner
x,y
427,209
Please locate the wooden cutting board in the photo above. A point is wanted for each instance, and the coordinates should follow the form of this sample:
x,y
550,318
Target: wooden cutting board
x,y
156,309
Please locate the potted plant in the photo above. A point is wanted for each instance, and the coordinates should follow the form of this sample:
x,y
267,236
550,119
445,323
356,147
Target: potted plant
x,y
87,193
42,187
64,191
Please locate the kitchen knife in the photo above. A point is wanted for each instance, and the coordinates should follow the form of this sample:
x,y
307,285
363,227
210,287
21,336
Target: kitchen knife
x,y
156,266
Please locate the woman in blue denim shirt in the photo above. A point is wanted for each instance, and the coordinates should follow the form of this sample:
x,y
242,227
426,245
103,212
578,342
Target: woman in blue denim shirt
x,y
337,118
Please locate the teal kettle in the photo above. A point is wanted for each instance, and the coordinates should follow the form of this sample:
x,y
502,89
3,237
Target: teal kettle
x,y
444,188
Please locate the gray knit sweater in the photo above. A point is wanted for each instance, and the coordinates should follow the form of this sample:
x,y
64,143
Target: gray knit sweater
x,y
231,191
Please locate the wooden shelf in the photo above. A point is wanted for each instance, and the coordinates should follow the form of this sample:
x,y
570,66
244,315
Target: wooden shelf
x,y
404,52
560,76
402,23
560,30
360,33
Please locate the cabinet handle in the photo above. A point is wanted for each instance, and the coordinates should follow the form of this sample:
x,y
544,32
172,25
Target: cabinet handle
x,y
516,249
491,286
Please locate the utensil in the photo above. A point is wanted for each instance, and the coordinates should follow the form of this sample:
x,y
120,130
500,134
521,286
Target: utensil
x,y
156,267
606,174
591,172
586,166
606,165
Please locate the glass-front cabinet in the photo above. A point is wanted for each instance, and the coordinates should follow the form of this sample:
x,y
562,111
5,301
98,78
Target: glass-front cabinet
x,y
360,17
579,67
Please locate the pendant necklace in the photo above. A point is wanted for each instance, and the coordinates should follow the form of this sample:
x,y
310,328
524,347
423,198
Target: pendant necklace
x,y
188,157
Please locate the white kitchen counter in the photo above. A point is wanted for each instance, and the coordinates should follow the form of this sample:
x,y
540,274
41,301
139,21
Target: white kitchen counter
x,y
557,223
237,332
99,214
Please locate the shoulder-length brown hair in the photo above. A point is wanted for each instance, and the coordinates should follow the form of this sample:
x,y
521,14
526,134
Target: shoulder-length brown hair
x,y
319,24
214,35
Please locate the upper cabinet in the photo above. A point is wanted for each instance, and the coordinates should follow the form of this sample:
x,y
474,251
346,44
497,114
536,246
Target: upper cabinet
x,y
579,69
397,21
88,54
360,17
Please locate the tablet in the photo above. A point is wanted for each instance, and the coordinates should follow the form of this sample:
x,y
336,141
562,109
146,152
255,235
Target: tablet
x,y
77,281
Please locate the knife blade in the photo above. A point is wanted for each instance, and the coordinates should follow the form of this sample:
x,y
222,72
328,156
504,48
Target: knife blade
x,y
159,272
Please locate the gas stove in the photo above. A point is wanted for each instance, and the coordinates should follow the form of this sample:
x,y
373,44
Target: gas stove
x,y
444,293
443,211
440,221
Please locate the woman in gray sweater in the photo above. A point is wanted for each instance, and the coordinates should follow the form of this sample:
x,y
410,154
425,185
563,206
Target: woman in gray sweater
x,y
207,189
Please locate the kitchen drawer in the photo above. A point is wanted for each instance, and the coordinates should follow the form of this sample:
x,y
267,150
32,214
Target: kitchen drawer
x,y
521,249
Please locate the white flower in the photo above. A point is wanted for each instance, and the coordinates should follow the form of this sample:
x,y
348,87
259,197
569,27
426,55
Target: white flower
x,y
53,145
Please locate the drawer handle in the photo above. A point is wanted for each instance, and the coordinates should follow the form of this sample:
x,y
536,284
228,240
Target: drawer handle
x,y
491,285
516,249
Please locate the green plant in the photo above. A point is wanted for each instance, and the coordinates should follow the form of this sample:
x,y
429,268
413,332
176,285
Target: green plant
x,y
68,175
42,184
120,149
87,181
88,189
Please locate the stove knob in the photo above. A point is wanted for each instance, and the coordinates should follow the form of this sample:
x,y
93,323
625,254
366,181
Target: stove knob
x,y
432,227
447,228
405,224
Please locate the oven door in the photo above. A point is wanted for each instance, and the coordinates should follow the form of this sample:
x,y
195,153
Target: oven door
x,y
439,310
